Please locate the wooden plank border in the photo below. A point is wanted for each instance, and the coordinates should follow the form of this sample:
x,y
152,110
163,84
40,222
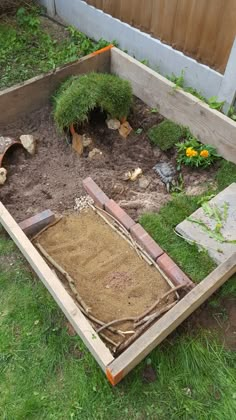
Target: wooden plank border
x,y
209,125
82,326
22,99
170,321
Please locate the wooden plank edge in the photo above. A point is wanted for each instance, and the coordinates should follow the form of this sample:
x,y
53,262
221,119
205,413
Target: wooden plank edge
x,y
123,364
209,125
26,97
91,339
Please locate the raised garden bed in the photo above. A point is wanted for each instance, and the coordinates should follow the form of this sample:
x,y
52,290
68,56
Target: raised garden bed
x,y
209,125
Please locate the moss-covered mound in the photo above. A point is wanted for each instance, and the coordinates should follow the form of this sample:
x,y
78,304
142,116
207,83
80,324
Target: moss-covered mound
x,y
166,134
79,95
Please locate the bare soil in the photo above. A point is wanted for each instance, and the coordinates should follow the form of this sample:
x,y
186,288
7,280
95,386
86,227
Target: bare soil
x,y
52,178
109,275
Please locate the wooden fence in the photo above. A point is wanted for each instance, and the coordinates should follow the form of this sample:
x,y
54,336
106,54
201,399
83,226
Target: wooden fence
x,y
202,29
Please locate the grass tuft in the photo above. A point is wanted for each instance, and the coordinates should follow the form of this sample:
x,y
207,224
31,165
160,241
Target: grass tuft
x,y
166,134
79,95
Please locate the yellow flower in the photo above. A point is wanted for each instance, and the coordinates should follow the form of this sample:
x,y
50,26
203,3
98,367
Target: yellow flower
x,y
204,153
190,152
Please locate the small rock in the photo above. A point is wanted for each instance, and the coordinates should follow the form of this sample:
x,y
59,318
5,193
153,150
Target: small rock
x,y
94,153
149,375
157,152
29,143
87,141
113,124
144,182
133,175
3,176
125,129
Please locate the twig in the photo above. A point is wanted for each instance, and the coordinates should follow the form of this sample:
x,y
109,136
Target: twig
x,y
152,317
123,229
46,228
109,340
157,302
65,274
137,334
115,321
99,322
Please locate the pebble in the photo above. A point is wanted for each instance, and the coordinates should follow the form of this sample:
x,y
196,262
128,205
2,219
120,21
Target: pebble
x,y
144,182
83,202
94,153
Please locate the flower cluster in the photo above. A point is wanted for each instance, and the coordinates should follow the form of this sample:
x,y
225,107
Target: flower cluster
x,y
193,153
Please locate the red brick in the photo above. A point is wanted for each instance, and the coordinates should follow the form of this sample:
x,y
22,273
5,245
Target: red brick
x,y
34,224
174,273
112,207
99,197
146,241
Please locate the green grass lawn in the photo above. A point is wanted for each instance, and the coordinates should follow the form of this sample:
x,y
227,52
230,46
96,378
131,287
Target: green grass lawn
x,y
28,49
48,374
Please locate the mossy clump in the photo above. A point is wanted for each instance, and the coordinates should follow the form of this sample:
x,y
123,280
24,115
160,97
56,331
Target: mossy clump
x,y
79,95
166,134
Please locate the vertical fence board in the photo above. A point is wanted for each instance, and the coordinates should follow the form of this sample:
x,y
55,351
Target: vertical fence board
x,y
202,29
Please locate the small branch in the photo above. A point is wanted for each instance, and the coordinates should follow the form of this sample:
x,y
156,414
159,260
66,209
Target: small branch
x,y
46,228
155,315
137,334
157,302
115,321
70,280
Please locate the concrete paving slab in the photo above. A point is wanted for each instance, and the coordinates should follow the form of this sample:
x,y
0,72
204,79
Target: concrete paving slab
x,y
217,250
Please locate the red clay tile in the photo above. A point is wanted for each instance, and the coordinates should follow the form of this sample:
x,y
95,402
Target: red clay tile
x,y
35,223
99,197
174,273
112,207
146,241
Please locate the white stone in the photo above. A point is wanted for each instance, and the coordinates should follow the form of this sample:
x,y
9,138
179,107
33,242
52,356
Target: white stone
x,y
29,143
3,176
113,124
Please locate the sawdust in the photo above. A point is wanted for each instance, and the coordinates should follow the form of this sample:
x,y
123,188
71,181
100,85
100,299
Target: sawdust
x,y
109,275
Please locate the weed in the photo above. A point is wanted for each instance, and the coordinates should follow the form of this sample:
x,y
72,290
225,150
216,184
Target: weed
x,y
166,134
79,95
27,50
232,113
215,104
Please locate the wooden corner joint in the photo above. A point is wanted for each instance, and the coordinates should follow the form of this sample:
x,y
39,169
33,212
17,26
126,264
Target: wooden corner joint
x,y
114,380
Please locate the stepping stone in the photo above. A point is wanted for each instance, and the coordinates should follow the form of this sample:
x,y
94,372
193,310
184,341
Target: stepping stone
x,y
217,250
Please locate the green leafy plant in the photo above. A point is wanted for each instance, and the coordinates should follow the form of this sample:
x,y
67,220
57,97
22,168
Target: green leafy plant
x,y
219,215
215,104
177,80
166,134
232,113
79,95
193,153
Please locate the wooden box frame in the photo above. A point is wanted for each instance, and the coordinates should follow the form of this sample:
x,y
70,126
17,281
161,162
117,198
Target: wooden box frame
x,y
208,125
